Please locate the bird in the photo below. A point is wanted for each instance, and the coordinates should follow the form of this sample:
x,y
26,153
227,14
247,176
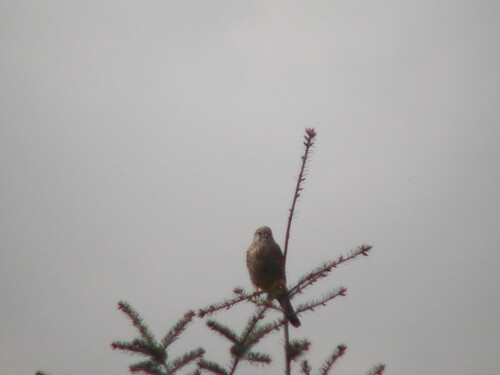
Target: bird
x,y
265,264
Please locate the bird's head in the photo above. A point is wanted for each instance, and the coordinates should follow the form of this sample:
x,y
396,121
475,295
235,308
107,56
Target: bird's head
x,y
263,233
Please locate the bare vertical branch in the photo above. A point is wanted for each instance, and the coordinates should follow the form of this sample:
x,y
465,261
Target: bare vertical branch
x,y
308,143
288,361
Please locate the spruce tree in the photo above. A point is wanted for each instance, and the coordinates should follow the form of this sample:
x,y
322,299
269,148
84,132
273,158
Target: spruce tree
x,y
243,344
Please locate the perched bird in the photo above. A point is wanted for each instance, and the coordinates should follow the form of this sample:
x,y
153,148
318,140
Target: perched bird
x,y
267,272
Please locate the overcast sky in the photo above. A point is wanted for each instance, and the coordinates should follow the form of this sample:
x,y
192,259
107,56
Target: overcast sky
x,y
142,142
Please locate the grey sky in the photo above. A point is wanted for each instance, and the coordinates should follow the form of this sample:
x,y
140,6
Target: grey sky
x,y
142,142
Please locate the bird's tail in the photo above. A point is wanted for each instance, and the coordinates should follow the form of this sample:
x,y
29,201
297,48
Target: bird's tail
x,y
288,310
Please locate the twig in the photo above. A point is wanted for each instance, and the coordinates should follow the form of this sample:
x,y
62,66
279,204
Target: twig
x,y
326,268
241,296
327,365
377,370
309,142
311,305
288,361
250,327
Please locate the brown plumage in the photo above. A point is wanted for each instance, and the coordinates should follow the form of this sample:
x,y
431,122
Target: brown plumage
x,y
265,265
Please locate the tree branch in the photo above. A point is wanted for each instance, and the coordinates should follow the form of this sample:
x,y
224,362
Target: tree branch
x,y
308,143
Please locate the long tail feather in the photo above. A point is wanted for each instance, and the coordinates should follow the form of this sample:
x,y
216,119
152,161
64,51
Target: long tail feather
x,y
288,310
